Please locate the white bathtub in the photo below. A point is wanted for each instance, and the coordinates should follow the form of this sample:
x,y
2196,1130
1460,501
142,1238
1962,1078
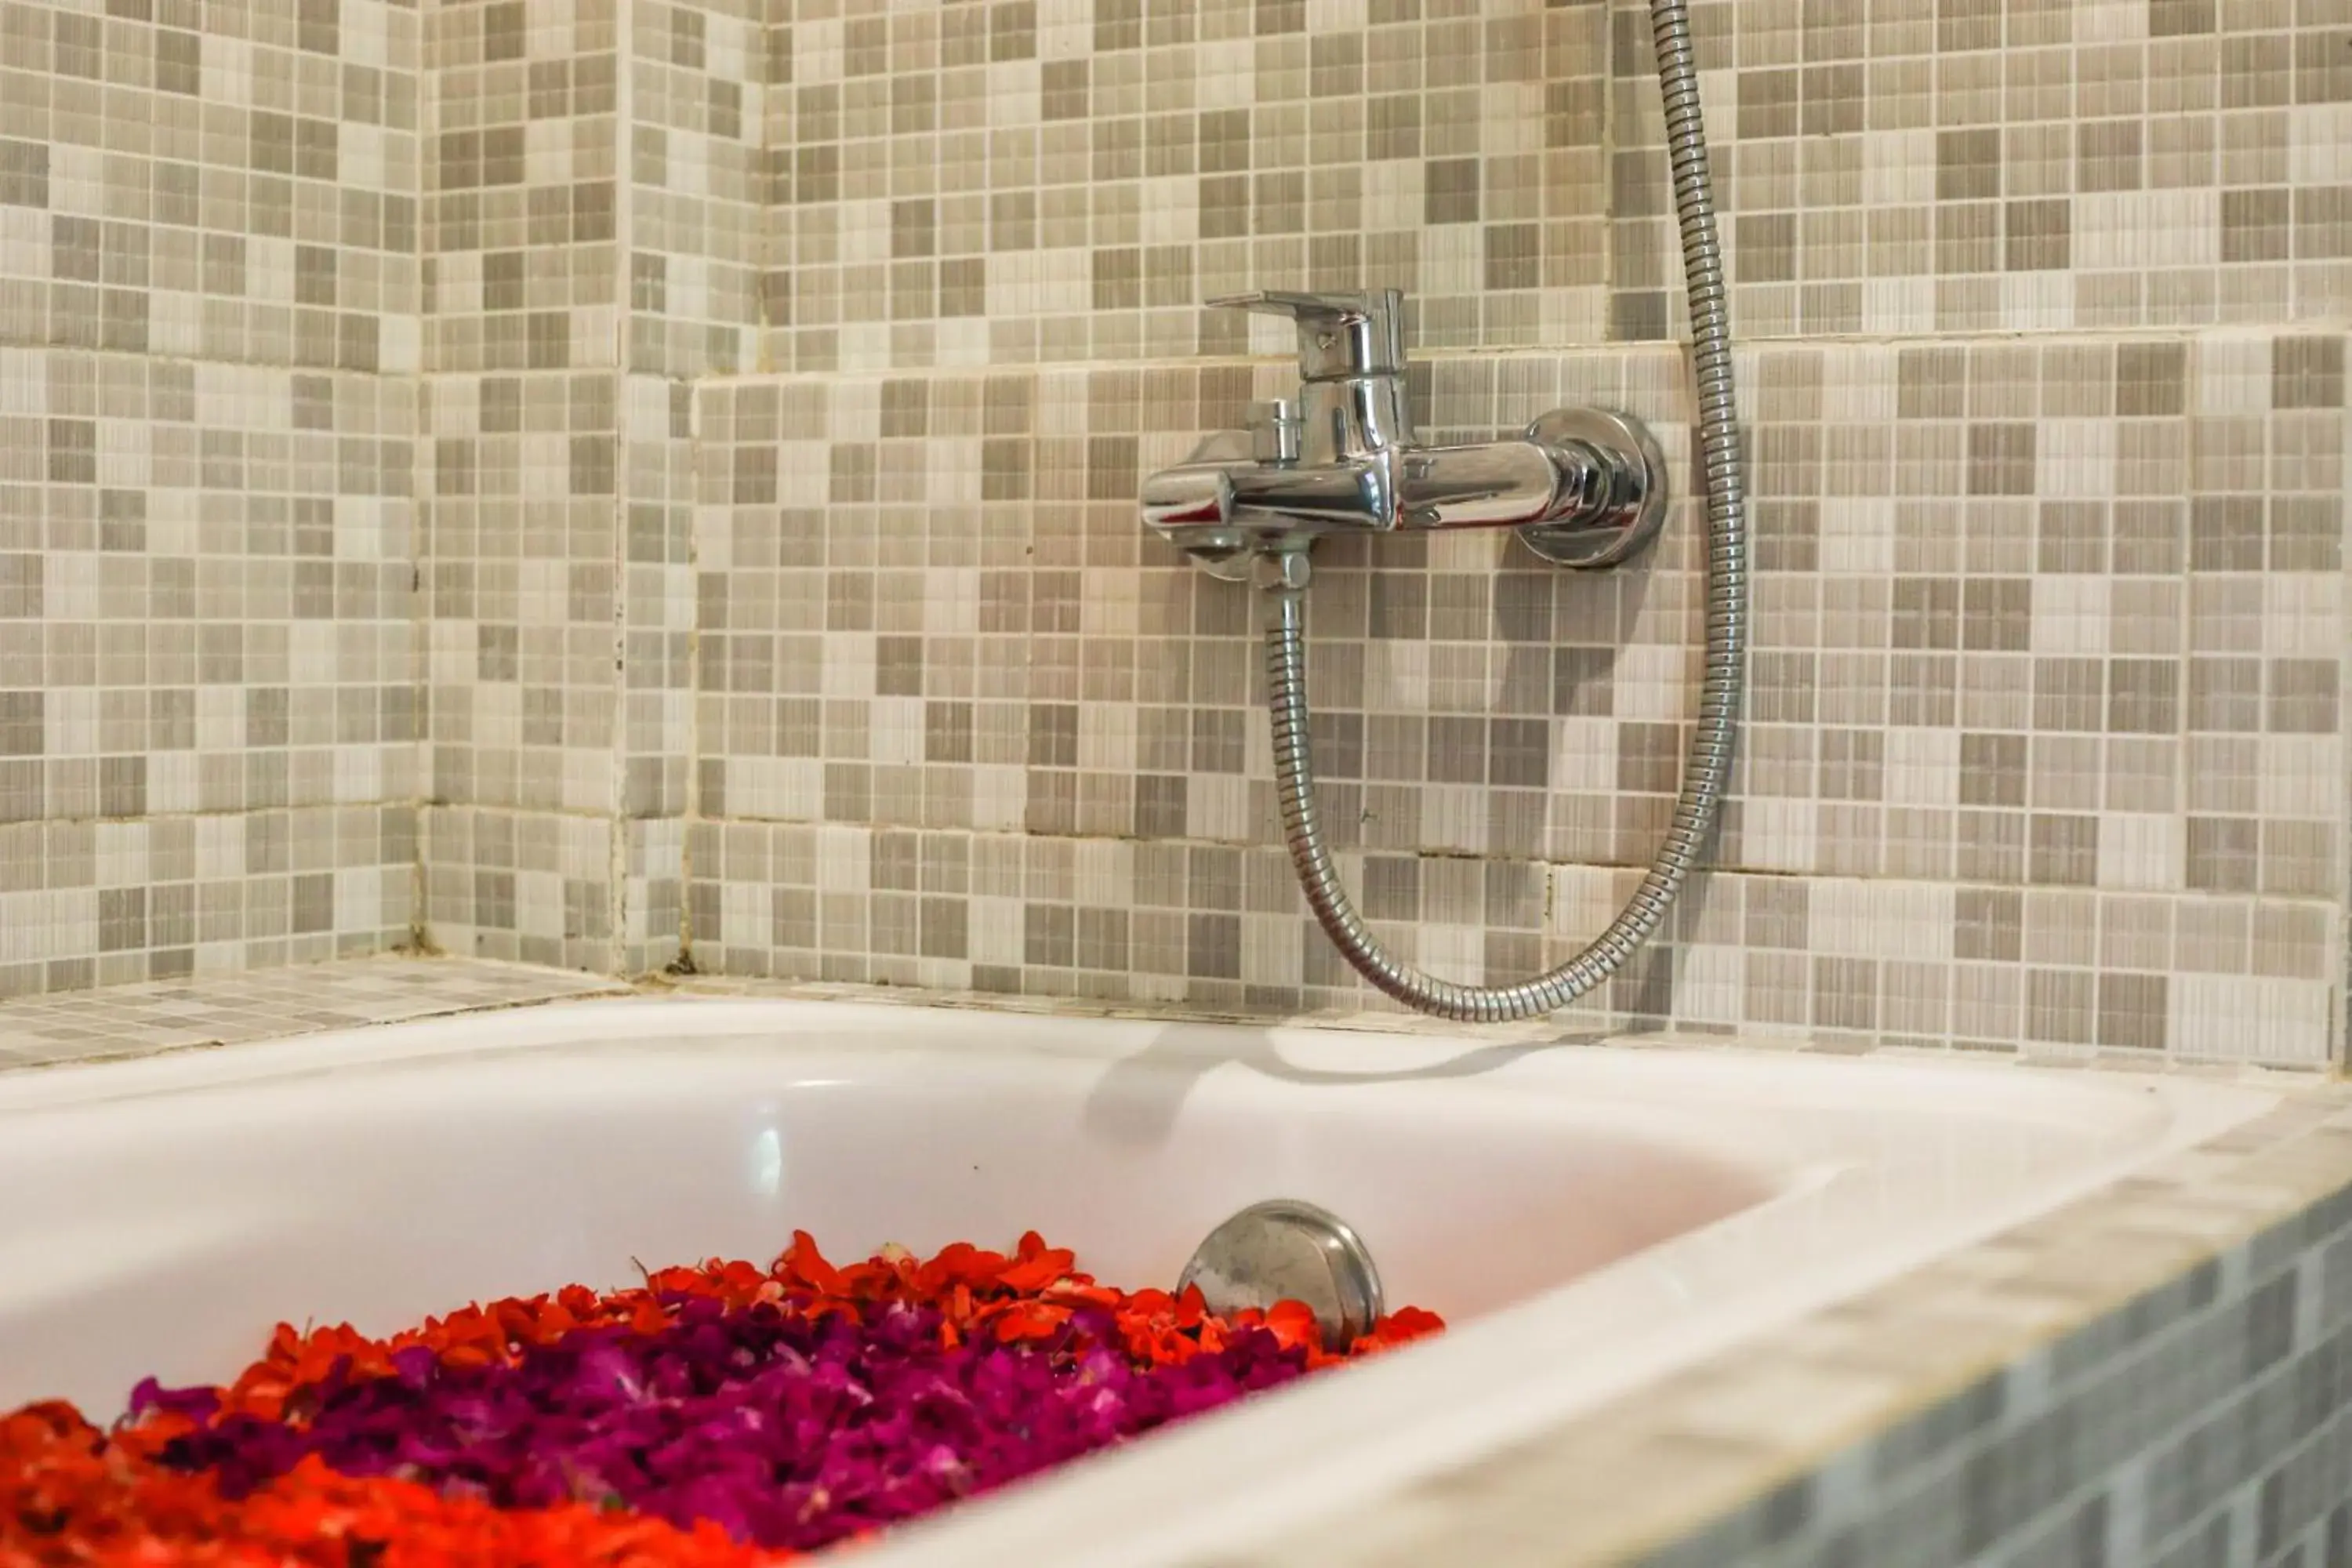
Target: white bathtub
x,y
1587,1216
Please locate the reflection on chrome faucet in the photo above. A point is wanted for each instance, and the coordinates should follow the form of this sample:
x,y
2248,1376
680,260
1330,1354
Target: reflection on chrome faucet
x,y
1584,486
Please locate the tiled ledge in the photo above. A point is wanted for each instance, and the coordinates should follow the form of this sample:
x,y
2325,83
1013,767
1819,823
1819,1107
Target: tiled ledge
x,y
2147,1369
123,1021
119,1023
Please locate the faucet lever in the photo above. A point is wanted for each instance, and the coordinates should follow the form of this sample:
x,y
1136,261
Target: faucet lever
x,y
1340,336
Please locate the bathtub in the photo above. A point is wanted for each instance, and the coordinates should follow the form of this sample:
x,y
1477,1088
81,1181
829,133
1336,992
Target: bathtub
x,y
1587,1215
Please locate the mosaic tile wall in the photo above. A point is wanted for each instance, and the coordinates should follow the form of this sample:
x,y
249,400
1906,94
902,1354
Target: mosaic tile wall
x,y
2205,1423
2046,725
1063,180
696,238
520,477
2047,742
1918,166
208,292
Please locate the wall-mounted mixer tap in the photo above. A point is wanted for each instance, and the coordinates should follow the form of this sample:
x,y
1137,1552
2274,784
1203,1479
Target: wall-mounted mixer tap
x,y
1583,487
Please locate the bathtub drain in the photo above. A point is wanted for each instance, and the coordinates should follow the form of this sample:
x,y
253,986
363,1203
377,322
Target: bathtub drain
x,y
1287,1250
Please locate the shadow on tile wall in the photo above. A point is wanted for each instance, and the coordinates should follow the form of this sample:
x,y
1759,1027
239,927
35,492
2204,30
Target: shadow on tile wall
x,y
772,390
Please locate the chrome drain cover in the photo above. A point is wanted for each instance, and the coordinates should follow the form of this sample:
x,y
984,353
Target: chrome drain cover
x,y
1288,1249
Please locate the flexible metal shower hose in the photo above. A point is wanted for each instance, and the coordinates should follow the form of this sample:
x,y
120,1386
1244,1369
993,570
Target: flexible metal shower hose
x,y
1707,769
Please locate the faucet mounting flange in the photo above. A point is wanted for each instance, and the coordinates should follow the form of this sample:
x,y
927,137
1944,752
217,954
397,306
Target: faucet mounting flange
x,y
1629,507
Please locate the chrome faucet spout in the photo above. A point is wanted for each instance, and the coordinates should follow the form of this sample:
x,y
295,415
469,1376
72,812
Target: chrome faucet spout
x,y
1332,497
1488,484
1491,484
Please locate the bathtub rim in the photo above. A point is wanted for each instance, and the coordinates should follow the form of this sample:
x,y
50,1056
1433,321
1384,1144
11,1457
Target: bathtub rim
x,y
954,1538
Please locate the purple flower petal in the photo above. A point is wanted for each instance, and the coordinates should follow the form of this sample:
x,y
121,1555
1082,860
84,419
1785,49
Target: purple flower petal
x,y
786,1430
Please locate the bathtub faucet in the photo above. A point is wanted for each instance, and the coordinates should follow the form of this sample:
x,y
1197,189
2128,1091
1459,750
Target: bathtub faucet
x,y
1584,486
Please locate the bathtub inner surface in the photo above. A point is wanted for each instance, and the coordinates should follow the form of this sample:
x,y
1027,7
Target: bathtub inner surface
x,y
1582,1215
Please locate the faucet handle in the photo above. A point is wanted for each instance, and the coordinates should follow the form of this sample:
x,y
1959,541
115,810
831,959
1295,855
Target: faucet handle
x,y
1340,336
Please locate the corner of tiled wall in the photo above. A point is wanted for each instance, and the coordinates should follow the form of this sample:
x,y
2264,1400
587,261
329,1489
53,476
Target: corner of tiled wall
x,y
519,473
591,249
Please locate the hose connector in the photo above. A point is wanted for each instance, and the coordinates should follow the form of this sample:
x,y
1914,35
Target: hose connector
x,y
1280,578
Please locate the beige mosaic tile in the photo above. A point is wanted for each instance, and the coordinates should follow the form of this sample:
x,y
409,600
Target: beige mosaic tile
x,y
522,478
209,309
1061,182
207,731
562,483
230,183
1049,181
698,186
1916,168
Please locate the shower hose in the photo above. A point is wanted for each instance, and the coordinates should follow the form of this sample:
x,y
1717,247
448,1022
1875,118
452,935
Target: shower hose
x,y
1708,768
